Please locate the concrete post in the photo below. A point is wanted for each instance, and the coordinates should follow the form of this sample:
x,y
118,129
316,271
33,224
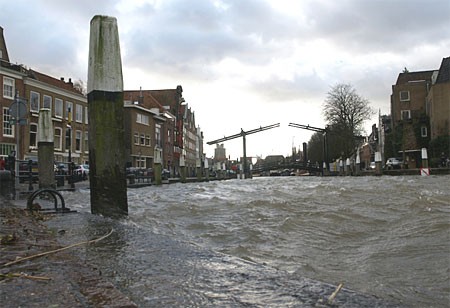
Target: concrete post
x,y
358,164
378,167
182,170
348,170
324,169
250,176
424,171
108,185
198,165
206,170
46,163
341,167
157,166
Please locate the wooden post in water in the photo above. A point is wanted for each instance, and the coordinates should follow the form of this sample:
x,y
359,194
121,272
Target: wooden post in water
x,y
106,129
46,164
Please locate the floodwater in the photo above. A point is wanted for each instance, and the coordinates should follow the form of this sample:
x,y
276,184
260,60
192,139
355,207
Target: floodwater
x,y
275,241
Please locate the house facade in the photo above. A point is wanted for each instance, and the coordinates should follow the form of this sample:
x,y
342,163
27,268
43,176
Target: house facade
x,y
419,112
35,90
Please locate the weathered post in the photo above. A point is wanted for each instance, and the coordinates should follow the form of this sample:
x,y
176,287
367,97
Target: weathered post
x,y
158,166
106,129
182,170
358,164
424,171
378,167
206,170
341,167
198,165
348,170
46,164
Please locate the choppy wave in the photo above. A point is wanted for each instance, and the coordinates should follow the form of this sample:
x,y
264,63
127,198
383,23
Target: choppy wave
x,y
387,236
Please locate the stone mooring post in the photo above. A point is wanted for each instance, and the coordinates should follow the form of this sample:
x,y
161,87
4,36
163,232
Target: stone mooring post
x,y
46,163
424,170
378,164
198,165
182,170
157,164
106,128
358,164
206,166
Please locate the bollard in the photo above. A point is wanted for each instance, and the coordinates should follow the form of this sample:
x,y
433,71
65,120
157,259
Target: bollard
x,y
358,164
45,149
341,167
206,166
378,169
108,184
424,171
182,170
348,170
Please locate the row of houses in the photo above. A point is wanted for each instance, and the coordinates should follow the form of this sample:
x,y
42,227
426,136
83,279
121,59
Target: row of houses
x,y
157,123
419,118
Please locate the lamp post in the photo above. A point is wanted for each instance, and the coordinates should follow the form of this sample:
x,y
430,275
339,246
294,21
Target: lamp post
x,y
69,127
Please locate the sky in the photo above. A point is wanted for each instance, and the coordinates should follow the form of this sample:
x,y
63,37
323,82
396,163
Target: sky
x,y
242,64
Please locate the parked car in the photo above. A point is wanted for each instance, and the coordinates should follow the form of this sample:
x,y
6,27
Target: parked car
x,y
82,170
372,166
394,163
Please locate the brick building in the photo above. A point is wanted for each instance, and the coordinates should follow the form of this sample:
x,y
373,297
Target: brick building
x,y
419,112
66,101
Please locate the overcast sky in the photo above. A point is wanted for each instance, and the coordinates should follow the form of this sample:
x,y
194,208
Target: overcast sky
x,y
241,63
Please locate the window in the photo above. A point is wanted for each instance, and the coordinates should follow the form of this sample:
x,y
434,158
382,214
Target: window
x,y
423,131
406,114
78,141
140,162
142,118
86,118
34,101
47,102
57,138
33,135
79,113
158,135
7,127
86,142
69,109
6,149
58,108
8,88
147,140
136,138
404,96
142,139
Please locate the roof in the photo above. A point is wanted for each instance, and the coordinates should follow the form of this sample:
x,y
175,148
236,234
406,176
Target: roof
x,y
404,78
444,71
144,97
59,83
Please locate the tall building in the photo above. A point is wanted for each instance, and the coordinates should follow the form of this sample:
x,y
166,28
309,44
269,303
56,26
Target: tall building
x,y
420,103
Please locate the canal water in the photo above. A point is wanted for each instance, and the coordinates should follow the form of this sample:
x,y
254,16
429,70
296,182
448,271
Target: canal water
x,y
275,241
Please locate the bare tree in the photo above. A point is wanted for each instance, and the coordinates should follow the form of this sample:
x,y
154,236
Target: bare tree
x,y
346,112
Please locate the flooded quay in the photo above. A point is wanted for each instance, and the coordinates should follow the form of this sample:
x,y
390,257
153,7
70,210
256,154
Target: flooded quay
x,y
284,241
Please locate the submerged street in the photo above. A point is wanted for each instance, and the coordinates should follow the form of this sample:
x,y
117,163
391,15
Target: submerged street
x,y
274,241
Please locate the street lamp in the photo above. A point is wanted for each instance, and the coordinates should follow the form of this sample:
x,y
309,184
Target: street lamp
x,y
69,139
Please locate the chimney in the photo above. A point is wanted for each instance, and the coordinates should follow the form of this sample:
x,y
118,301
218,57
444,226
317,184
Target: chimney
x,y
62,78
